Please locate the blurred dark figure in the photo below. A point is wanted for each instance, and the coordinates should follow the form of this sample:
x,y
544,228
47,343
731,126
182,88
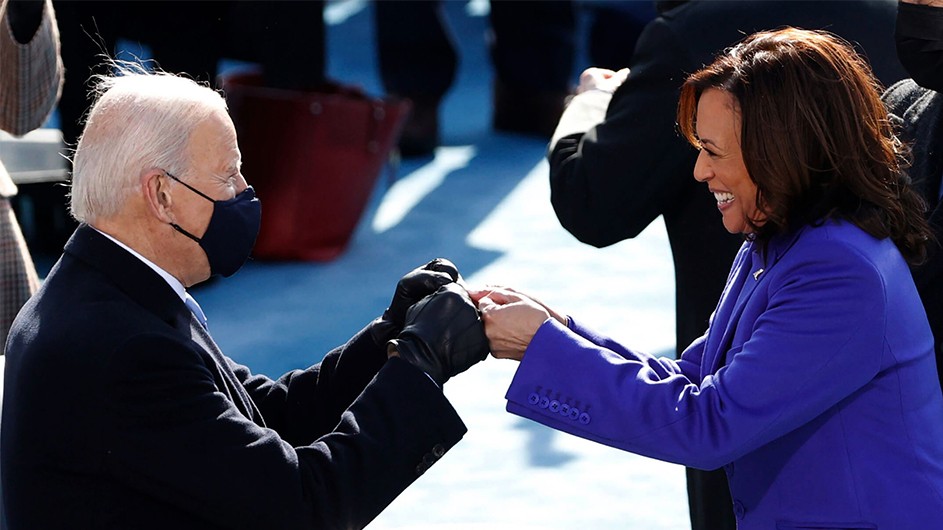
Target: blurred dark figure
x,y
617,162
532,46
285,37
614,29
29,87
918,105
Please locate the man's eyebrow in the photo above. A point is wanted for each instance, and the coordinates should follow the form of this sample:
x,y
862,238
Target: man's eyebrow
x,y
226,174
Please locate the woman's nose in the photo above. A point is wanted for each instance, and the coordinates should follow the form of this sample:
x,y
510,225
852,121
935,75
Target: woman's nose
x,y
702,169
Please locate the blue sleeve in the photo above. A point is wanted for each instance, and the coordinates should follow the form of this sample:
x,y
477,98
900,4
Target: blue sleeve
x,y
813,337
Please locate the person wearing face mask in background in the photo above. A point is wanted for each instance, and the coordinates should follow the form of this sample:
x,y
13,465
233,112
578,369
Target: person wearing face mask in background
x,y
119,408
916,105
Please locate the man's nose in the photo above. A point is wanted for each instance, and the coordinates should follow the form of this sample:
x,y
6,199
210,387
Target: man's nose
x,y
241,184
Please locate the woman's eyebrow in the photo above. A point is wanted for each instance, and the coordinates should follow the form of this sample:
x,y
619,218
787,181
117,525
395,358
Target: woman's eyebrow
x,y
708,141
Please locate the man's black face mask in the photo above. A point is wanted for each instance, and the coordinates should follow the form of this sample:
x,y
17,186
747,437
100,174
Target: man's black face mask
x,y
231,234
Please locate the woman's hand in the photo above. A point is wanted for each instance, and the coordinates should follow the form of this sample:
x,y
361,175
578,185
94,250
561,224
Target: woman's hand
x,y
511,319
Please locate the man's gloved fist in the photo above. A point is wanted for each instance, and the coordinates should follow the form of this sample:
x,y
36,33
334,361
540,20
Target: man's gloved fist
x,y
413,287
443,335
418,284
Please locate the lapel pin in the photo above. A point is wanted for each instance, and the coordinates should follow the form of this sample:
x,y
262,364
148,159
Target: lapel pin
x,y
756,275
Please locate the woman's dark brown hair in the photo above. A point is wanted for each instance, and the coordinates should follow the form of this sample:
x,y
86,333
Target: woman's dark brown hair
x,y
815,137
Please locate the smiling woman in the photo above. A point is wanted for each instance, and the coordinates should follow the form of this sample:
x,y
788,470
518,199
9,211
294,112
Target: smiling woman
x,y
799,116
720,162
814,386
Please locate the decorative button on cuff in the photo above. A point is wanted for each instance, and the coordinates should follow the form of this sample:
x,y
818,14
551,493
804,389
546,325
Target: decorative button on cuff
x,y
558,407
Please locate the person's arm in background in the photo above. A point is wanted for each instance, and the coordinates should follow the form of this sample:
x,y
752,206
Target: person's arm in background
x,y
32,74
588,106
615,168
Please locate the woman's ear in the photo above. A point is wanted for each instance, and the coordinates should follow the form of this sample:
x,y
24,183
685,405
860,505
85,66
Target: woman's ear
x,y
156,188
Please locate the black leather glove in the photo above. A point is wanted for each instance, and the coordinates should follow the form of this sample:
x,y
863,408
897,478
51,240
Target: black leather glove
x,y
413,287
443,335
418,284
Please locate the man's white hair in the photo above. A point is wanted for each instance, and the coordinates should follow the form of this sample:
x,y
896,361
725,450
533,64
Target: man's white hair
x,y
140,121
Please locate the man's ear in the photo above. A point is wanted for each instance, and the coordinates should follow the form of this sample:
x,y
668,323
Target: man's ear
x,y
156,189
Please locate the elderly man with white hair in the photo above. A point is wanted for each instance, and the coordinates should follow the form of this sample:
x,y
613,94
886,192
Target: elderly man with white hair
x,y
120,410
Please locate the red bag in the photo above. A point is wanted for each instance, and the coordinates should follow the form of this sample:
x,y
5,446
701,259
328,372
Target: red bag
x,y
313,158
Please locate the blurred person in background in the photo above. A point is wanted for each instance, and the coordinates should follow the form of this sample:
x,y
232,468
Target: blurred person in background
x,y
284,37
917,106
532,45
30,81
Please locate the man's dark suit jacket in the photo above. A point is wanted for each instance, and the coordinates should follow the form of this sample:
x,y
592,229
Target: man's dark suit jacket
x,y
919,112
121,412
622,170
